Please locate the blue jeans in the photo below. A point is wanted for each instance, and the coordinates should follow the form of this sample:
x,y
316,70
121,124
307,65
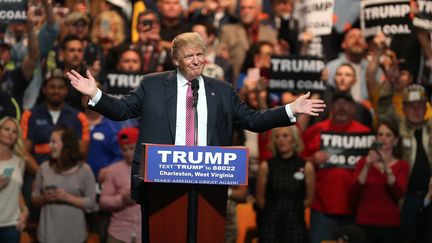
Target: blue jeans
x,y
326,226
10,234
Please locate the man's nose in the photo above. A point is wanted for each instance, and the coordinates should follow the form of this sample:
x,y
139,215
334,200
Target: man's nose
x,y
195,59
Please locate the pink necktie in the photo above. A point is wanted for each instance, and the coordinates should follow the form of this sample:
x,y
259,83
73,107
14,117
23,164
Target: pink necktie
x,y
190,116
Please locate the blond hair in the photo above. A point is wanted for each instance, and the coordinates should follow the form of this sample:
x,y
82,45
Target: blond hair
x,y
295,133
186,39
18,147
117,27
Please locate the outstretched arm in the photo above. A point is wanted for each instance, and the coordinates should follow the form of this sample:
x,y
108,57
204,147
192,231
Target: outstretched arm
x,y
118,109
304,105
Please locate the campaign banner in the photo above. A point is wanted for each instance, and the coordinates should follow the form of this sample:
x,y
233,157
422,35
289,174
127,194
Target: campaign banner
x,y
345,149
392,17
423,17
13,11
296,74
196,164
318,16
121,83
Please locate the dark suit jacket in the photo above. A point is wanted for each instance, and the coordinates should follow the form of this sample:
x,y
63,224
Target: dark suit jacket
x,y
155,101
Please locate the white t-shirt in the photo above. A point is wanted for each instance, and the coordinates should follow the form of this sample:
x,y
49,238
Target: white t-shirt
x,y
9,196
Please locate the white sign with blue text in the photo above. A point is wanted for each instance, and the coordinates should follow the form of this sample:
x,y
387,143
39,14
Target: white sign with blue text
x,y
196,164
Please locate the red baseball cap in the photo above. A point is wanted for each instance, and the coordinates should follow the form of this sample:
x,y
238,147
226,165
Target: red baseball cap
x,y
128,135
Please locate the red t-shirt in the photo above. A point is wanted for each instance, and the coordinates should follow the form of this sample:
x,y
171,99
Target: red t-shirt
x,y
377,201
333,185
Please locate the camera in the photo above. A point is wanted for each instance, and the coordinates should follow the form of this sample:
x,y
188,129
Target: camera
x,y
376,145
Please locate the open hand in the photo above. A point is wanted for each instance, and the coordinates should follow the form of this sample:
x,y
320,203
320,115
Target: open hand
x,y
304,105
86,86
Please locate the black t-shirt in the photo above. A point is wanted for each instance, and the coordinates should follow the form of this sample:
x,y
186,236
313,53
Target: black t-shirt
x,y
421,171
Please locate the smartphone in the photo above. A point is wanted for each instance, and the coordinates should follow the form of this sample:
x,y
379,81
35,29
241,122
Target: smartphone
x,y
376,145
7,172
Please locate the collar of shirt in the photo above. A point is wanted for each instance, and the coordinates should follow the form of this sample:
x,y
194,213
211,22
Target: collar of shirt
x,y
182,81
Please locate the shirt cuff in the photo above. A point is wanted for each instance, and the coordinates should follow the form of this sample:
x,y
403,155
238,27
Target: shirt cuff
x,y
95,100
289,113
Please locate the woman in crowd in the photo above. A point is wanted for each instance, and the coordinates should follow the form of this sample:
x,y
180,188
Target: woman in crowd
x,y
285,186
380,182
64,188
14,212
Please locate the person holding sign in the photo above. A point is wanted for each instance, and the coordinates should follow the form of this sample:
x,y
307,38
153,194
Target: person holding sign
x,y
160,100
331,207
285,187
380,181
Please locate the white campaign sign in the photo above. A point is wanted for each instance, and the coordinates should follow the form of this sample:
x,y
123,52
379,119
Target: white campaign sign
x,y
318,16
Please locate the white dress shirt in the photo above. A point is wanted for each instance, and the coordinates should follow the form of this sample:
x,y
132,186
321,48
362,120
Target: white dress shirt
x,y
182,86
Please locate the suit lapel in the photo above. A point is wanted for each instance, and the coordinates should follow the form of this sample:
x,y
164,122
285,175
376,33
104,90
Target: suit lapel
x,y
211,97
171,101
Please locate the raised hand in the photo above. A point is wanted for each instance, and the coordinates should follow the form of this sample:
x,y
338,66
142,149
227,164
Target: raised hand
x,y
86,86
304,105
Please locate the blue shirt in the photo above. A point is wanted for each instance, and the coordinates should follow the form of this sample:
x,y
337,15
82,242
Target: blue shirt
x,y
104,148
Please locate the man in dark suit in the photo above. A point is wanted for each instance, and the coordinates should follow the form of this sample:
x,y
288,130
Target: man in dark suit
x,y
160,102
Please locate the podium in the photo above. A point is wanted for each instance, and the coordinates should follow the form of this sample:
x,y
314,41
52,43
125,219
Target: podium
x,y
164,207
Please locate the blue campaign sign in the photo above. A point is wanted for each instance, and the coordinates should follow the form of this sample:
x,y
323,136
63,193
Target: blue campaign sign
x,y
196,164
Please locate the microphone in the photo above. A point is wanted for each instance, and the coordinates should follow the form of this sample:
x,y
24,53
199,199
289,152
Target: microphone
x,y
195,87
